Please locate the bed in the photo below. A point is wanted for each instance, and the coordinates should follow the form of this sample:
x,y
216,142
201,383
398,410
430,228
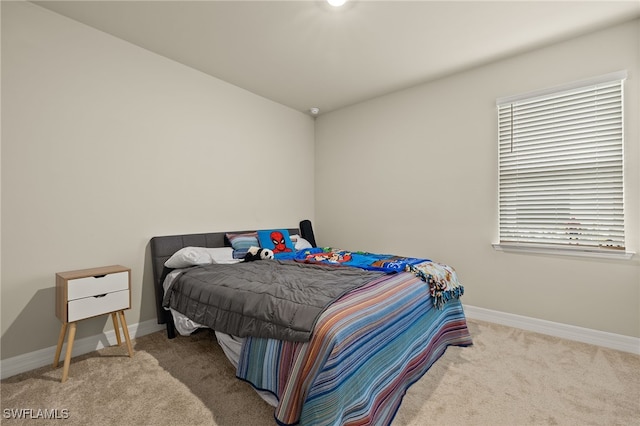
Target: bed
x,y
371,332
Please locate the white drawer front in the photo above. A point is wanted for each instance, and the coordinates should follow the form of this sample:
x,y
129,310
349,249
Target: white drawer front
x,y
93,286
91,306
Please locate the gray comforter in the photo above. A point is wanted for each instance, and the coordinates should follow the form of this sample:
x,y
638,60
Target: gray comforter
x,y
267,298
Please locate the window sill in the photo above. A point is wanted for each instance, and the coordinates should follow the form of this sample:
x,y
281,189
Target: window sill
x,y
565,251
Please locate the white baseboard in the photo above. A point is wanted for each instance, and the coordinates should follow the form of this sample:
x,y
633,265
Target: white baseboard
x,y
570,332
36,359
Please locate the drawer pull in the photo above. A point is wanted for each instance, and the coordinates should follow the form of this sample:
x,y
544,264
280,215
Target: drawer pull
x,y
100,276
100,295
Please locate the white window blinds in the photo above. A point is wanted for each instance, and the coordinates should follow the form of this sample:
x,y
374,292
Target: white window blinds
x,y
561,167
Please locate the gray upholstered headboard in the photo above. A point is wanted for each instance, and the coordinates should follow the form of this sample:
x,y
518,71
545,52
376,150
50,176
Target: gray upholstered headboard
x,y
162,248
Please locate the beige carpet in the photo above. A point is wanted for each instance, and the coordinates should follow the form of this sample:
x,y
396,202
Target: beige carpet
x,y
509,377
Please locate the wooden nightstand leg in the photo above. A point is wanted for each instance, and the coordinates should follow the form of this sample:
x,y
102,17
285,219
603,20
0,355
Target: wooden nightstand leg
x,y
63,333
125,330
67,358
116,327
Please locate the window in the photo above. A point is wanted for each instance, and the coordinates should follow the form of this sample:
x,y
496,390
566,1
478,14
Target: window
x,y
561,167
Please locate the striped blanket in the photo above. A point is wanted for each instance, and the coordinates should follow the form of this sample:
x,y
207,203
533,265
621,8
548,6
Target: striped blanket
x,y
367,348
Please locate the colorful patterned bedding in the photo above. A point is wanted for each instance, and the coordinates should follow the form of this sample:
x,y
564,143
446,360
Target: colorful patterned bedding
x,y
367,348
358,259
442,279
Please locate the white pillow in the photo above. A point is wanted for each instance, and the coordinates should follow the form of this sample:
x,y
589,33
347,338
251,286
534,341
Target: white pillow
x,y
222,255
302,244
192,256
189,256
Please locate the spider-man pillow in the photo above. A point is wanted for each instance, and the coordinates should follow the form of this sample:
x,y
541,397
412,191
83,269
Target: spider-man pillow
x,y
277,240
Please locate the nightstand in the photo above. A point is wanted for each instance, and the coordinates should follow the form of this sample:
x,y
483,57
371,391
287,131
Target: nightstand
x,y
89,293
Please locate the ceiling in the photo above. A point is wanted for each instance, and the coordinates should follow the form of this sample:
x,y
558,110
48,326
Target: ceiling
x,y
306,53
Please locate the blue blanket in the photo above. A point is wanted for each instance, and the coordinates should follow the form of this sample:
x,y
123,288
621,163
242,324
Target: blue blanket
x,y
364,260
442,279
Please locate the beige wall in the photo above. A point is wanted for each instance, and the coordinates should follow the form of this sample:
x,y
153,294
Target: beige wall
x,y
415,173
105,145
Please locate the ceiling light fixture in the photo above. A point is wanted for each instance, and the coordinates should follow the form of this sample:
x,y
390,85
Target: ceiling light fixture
x,y
336,3
314,111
